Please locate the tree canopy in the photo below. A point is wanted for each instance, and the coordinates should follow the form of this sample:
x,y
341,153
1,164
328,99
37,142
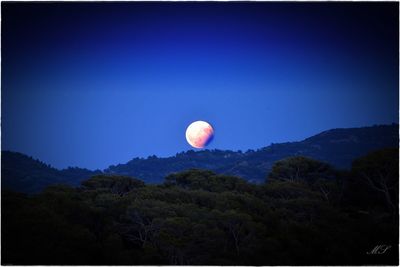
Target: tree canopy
x,y
305,214
114,183
300,169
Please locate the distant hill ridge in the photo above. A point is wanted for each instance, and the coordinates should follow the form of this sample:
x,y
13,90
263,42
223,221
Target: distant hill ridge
x,y
22,173
339,147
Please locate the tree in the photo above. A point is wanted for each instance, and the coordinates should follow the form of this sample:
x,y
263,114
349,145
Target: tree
x,y
143,219
300,169
379,171
238,226
330,189
175,236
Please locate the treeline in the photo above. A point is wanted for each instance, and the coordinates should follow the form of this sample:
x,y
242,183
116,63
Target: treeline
x,y
307,213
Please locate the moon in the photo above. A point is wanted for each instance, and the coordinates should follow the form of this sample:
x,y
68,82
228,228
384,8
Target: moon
x,y
199,134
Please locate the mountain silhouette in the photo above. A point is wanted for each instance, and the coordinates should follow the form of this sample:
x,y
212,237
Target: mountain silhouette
x,y
338,147
25,174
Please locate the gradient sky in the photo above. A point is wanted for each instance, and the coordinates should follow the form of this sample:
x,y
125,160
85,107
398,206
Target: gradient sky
x,y
95,84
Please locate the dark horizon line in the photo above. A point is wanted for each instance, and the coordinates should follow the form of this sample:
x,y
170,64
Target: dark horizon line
x,y
195,150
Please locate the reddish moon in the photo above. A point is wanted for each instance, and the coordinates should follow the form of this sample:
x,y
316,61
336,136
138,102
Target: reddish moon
x,y
199,134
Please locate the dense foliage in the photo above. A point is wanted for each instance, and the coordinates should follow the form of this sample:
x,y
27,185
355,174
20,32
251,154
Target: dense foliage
x,y
305,214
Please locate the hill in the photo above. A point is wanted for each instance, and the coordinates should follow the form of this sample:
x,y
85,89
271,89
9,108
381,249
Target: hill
x,y
24,174
338,147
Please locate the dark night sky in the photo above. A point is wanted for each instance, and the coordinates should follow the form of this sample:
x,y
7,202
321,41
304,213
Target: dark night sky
x,y
94,84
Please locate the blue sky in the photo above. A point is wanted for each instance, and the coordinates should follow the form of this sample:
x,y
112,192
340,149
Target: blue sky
x,y
95,84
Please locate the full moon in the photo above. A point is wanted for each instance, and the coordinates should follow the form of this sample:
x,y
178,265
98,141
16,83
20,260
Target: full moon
x,y
199,134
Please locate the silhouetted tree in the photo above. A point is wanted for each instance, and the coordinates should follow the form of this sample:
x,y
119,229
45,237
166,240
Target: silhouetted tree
x,y
300,169
379,171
